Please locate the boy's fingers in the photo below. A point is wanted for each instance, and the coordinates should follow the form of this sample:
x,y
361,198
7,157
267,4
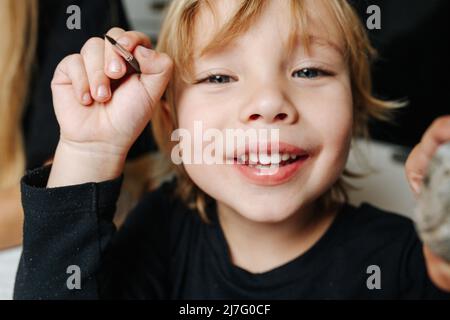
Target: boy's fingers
x,y
131,39
115,33
156,71
71,70
114,66
93,53
77,71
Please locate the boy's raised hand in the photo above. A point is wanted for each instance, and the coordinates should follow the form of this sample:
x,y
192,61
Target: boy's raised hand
x,y
416,168
99,124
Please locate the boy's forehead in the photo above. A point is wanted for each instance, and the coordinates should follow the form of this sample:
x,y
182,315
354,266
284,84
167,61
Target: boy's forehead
x,y
277,16
211,19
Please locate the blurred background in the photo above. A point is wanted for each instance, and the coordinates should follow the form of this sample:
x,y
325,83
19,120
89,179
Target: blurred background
x,y
413,65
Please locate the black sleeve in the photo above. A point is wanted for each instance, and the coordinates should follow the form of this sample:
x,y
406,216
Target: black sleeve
x,y
72,226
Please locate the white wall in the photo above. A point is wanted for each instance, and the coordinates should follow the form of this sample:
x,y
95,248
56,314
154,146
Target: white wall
x,y
386,186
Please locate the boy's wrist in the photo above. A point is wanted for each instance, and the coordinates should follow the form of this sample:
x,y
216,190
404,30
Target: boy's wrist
x,y
81,163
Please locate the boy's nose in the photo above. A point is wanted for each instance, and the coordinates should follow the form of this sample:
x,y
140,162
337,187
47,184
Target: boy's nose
x,y
269,105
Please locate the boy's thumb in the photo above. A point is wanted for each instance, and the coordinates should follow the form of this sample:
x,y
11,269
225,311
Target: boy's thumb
x,y
156,69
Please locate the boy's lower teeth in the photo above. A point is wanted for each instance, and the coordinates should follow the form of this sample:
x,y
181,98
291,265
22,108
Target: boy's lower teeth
x,y
261,166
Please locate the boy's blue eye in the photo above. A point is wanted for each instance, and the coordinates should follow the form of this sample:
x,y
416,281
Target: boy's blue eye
x,y
308,73
217,79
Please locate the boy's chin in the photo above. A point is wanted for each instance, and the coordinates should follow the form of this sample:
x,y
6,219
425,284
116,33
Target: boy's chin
x,y
264,212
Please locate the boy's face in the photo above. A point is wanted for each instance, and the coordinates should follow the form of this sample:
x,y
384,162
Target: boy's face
x,y
261,86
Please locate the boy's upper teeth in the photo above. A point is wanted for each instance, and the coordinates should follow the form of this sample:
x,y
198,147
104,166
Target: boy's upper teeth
x,y
253,157
266,159
275,158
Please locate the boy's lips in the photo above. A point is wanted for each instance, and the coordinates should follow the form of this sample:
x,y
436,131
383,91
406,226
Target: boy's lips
x,y
271,165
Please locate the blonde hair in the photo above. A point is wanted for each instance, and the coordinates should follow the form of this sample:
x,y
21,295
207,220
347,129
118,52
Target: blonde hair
x,y
18,27
176,40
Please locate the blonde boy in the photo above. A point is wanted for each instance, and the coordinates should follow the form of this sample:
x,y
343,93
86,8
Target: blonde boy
x,y
241,230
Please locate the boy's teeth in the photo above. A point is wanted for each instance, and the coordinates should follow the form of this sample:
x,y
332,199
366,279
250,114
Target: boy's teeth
x,y
264,159
275,158
253,158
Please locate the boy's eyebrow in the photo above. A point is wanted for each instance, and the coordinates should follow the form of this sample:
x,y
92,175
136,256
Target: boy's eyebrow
x,y
312,39
321,41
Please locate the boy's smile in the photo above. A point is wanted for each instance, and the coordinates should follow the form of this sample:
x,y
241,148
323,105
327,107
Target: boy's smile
x,y
270,167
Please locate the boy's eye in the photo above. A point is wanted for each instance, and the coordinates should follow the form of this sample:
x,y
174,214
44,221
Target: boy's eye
x,y
309,73
216,79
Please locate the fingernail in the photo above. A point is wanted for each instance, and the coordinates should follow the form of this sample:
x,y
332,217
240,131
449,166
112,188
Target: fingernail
x,y
102,91
115,66
86,98
123,41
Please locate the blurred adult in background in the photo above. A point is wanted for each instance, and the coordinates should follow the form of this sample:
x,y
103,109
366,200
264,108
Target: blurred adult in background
x,y
34,37
414,49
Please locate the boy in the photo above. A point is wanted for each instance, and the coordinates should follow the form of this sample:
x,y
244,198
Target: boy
x,y
271,224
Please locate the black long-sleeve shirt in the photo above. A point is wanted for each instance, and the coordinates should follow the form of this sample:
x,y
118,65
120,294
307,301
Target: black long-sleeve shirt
x,y
164,250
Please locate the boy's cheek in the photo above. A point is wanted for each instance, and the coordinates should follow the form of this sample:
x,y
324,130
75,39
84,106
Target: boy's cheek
x,y
331,120
332,128
206,117
191,109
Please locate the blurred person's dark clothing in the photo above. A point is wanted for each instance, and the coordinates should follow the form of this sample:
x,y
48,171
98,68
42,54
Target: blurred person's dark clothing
x,y
56,40
413,64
